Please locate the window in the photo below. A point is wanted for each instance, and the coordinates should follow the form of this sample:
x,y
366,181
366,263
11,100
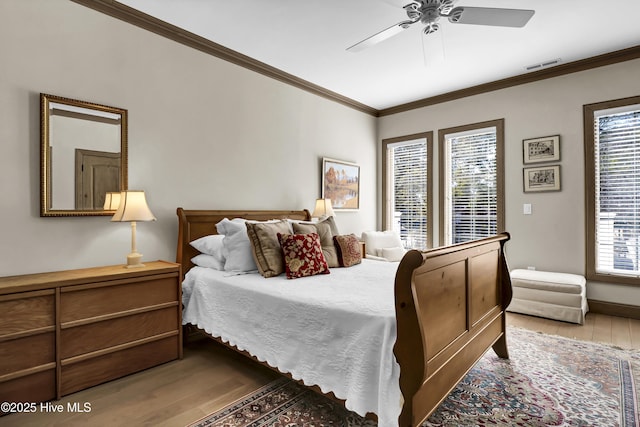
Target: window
x,y
472,189
407,204
612,150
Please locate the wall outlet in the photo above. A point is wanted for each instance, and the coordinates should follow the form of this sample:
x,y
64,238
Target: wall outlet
x,y
531,267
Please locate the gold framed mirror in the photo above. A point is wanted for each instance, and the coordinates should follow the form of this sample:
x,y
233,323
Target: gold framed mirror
x,y
83,156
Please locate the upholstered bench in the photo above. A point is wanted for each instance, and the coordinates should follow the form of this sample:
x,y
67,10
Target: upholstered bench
x,y
558,296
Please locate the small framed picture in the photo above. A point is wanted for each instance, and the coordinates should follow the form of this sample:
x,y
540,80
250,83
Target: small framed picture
x,y
545,149
341,184
542,178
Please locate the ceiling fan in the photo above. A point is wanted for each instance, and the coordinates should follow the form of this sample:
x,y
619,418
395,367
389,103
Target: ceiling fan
x,y
429,12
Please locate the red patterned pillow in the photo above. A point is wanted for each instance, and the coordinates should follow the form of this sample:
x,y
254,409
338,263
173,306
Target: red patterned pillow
x,y
302,255
349,250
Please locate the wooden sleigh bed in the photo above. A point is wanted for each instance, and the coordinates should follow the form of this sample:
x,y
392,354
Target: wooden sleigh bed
x,y
450,307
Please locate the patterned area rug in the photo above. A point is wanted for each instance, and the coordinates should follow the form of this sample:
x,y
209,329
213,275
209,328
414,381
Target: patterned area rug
x,y
548,381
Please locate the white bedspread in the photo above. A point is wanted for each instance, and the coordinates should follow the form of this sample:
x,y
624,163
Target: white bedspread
x,y
334,330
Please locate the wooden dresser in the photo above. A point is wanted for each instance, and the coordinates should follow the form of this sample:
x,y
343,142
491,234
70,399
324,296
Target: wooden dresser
x,y
64,331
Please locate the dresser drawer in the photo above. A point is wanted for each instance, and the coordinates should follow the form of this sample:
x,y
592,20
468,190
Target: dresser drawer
x,y
25,312
27,347
78,303
86,373
28,352
108,333
37,387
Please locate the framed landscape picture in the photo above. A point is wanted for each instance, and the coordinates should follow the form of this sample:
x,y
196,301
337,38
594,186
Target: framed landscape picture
x,y
542,178
341,184
545,149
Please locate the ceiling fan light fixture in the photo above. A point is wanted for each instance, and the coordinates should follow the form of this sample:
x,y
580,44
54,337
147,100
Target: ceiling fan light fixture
x,y
431,28
455,14
446,7
413,11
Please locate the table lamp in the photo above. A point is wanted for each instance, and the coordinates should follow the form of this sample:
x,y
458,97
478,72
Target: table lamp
x,y
132,208
323,209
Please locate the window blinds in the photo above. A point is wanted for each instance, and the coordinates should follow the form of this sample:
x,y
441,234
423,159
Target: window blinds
x,y
617,170
471,186
407,177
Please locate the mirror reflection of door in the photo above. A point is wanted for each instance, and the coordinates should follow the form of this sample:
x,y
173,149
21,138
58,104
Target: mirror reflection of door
x,y
69,125
96,173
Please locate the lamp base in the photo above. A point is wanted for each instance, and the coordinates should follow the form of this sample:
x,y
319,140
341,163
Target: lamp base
x,y
134,260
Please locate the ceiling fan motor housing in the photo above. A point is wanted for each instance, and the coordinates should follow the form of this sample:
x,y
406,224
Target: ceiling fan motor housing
x,y
428,12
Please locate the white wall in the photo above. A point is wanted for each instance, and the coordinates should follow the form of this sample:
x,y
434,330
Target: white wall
x,y
553,237
203,134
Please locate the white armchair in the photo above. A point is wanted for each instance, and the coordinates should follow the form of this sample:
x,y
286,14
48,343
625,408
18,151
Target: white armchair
x,y
383,245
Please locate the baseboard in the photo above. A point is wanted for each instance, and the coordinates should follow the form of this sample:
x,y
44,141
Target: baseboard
x,y
614,309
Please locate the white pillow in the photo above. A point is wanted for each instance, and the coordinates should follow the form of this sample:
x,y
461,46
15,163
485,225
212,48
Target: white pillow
x,y
392,254
237,247
210,245
209,261
375,240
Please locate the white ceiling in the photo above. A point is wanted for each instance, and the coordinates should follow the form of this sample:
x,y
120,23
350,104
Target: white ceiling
x,y
308,39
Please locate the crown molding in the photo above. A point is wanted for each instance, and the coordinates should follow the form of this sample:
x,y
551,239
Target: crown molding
x,y
162,28
547,73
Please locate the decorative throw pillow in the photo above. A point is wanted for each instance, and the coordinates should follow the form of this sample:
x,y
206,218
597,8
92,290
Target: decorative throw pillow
x,y
266,247
323,229
237,248
349,250
302,255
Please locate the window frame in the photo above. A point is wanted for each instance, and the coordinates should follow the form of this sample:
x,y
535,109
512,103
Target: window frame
x,y
430,188
444,162
589,111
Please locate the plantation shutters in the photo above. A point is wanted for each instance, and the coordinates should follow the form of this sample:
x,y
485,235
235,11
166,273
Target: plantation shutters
x,y
472,189
406,202
617,190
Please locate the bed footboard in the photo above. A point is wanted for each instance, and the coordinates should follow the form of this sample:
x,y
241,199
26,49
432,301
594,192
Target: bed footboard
x,y
450,308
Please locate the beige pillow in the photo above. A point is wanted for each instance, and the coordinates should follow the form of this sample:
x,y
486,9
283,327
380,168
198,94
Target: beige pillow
x,y
332,223
323,229
266,247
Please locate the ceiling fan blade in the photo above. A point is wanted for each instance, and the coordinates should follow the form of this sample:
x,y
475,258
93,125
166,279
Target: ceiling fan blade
x,y
378,37
490,16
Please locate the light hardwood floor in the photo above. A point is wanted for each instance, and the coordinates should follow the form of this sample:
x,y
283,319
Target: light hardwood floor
x,y
617,331
210,377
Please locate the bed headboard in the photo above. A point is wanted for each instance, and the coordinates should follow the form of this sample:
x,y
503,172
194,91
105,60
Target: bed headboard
x,y
193,224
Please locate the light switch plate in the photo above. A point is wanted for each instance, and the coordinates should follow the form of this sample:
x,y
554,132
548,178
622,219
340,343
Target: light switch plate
x,y
526,208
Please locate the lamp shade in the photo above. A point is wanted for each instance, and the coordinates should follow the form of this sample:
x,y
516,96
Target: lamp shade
x,y
111,201
323,208
133,207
